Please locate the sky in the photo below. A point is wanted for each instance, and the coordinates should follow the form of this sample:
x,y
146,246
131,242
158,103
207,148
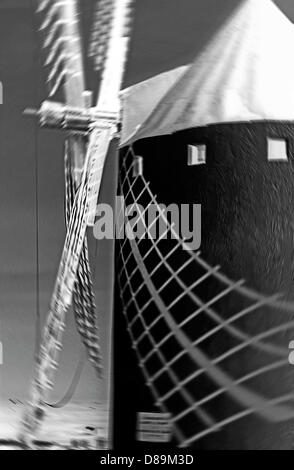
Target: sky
x,y
167,33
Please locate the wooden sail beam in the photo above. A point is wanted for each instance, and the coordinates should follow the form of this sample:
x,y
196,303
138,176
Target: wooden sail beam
x,y
108,98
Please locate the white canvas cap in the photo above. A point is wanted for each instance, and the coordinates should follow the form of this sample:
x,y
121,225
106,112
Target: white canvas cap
x,y
245,73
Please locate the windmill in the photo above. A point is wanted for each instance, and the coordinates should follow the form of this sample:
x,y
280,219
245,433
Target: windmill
x,y
171,313
90,131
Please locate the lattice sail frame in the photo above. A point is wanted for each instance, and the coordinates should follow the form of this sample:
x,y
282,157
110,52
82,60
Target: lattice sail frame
x,y
60,29
83,296
62,40
155,335
100,34
65,287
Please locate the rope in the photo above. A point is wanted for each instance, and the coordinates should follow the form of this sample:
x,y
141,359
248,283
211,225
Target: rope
x,y
73,385
36,164
38,316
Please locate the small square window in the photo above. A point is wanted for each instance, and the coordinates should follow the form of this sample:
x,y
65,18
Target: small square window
x,y
196,154
137,166
277,150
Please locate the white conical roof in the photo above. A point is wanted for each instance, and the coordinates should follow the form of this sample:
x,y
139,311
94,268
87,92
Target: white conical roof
x,y
245,73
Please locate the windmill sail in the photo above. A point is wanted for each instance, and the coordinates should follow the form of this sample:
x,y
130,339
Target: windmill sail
x,y
73,280
108,102
83,297
63,60
59,27
108,99
62,44
63,291
63,47
100,34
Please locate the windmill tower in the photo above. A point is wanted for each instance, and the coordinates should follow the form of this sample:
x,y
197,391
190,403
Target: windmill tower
x,y
221,136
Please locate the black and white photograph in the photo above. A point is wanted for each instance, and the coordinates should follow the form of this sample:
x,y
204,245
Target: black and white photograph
x,y
146,227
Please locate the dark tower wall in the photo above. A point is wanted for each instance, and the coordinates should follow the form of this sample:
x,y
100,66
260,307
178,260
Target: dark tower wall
x,y
247,228
247,201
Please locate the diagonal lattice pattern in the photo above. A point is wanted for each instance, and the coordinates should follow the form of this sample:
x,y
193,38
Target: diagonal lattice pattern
x,y
102,30
83,296
178,307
